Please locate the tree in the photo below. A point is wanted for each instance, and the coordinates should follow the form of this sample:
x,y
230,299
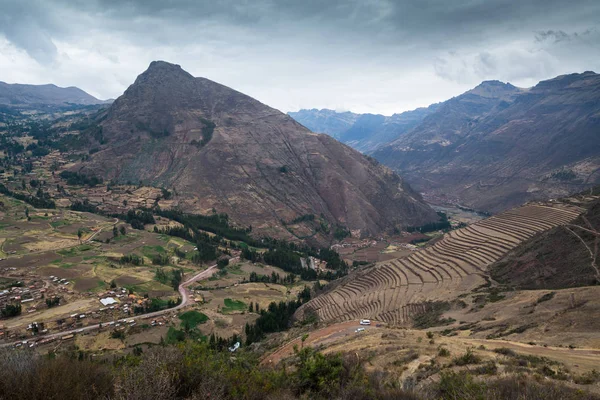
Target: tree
x,y
55,301
79,234
304,337
251,306
115,231
113,284
123,230
11,310
222,263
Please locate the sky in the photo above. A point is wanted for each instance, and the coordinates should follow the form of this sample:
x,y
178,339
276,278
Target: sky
x,y
377,56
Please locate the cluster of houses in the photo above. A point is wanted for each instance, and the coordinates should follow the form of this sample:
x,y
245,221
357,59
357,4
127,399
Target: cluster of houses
x,y
124,301
354,244
58,281
22,293
313,263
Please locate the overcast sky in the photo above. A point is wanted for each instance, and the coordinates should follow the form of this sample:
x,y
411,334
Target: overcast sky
x,y
380,56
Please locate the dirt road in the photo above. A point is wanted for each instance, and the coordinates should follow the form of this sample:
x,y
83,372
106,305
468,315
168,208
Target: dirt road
x,y
318,337
185,300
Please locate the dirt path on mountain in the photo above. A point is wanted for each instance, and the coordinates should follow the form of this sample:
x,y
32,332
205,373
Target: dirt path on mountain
x,y
331,338
316,338
580,359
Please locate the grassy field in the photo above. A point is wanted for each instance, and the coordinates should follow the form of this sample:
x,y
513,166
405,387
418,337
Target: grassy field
x,y
233,306
192,318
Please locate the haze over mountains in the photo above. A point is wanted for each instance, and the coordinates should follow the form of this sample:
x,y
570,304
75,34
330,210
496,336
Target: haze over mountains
x,y
221,149
364,132
497,145
20,96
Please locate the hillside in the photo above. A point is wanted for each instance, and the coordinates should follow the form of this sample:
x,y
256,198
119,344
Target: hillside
x,y
398,290
364,132
222,150
565,256
19,96
497,146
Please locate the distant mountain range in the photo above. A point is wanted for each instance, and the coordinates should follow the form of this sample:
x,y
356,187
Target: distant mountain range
x,y
19,96
222,150
494,146
364,132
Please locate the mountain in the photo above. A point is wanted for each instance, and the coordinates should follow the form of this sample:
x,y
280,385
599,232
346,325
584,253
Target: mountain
x,y
220,149
364,132
497,145
326,121
42,97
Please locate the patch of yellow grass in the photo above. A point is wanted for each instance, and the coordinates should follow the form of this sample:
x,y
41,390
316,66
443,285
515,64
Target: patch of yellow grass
x,y
46,245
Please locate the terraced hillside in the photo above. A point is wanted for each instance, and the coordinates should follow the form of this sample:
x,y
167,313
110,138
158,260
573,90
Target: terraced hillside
x,y
395,290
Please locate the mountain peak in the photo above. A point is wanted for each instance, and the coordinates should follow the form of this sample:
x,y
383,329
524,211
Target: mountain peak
x,y
163,65
221,149
163,71
493,88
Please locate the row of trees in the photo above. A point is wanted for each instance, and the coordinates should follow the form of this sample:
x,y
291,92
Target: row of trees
x,y
74,178
276,318
133,259
172,277
40,200
290,261
288,279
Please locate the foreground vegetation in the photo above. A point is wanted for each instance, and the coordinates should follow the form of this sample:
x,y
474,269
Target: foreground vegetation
x,y
195,371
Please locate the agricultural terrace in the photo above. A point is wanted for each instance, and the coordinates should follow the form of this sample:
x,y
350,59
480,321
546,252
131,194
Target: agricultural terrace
x,y
394,291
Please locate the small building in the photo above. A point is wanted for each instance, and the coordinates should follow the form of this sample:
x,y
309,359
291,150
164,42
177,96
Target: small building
x,y
108,301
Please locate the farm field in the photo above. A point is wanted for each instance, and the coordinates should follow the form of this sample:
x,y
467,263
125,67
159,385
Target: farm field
x,y
225,298
77,258
394,291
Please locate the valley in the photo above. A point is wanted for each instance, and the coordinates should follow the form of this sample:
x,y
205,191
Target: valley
x,y
491,148
188,217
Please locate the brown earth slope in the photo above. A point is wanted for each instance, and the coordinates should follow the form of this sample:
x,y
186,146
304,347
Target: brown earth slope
x,y
218,148
563,257
498,146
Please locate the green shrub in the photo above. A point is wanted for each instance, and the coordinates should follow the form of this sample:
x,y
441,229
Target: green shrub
x,y
468,358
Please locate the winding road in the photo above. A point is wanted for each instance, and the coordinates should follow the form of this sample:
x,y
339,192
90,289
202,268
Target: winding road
x,y
185,300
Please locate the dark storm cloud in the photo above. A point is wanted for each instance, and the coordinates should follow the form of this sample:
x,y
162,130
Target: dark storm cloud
x,y
353,49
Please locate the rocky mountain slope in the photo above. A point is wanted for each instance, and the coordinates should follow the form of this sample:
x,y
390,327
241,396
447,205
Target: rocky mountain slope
x,y
43,96
364,132
497,146
220,149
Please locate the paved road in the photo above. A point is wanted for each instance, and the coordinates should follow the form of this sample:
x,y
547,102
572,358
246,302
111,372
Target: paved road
x,y
185,300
